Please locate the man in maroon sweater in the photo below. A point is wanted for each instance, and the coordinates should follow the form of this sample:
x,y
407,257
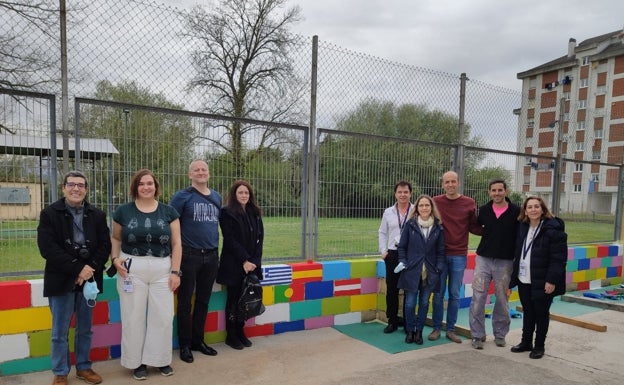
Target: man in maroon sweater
x,y
459,217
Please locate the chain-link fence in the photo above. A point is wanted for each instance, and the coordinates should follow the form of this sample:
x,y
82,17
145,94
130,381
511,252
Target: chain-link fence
x,y
131,70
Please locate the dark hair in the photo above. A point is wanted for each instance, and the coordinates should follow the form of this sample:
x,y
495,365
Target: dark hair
x,y
74,174
136,178
545,211
497,180
403,183
233,203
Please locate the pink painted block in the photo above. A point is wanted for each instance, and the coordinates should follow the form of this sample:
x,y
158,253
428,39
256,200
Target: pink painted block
x,y
569,277
595,263
616,261
106,335
570,254
319,322
370,285
468,276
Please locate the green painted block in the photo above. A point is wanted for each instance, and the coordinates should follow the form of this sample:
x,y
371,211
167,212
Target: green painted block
x,y
217,300
25,365
381,302
591,251
305,309
363,268
591,274
606,261
335,305
282,293
572,266
39,343
110,290
214,337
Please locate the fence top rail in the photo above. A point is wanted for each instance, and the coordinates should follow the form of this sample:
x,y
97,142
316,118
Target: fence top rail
x,y
107,103
31,94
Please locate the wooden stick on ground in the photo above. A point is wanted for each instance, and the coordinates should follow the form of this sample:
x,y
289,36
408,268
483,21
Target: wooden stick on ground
x,y
575,322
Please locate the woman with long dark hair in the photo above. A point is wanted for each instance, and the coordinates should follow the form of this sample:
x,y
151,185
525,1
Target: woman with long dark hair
x,y
539,271
241,253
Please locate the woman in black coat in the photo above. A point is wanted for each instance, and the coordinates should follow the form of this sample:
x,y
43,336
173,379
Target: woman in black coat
x,y
241,253
539,271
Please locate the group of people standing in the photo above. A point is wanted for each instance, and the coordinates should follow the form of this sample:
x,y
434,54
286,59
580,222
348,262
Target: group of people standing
x,y
425,246
155,249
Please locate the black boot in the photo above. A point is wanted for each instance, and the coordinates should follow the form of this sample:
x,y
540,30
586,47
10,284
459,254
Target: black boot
x,y
240,333
418,337
523,346
231,338
409,337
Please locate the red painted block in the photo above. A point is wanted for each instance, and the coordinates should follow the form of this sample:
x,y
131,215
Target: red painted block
x,y
212,322
603,251
99,354
491,288
307,272
582,286
14,295
100,313
298,292
471,261
347,287
305,266
259,330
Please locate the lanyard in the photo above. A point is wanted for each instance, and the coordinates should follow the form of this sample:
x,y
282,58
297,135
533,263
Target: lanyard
x,y
127,263
402,223
526,247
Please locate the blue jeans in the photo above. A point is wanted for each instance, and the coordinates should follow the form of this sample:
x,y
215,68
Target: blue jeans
x,y
454,270
62,307
423,294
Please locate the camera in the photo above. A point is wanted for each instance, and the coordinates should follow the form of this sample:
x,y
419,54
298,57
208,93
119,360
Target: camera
x,y
81,251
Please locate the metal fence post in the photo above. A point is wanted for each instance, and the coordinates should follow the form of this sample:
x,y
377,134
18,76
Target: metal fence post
x,y
459,154
310,222
556,199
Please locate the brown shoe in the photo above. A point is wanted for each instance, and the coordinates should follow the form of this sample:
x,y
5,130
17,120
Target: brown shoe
x,y
453,337
59,380
89,376
434,335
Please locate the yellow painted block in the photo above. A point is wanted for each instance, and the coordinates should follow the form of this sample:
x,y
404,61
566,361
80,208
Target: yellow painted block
x,y
513,297
25,320
268,295
579,276
363,302
307,274
601,273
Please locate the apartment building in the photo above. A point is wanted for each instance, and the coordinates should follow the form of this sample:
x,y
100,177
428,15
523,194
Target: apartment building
x,y
573,107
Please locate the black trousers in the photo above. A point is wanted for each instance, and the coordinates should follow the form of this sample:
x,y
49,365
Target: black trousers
x,y
392,291
199,271
536,315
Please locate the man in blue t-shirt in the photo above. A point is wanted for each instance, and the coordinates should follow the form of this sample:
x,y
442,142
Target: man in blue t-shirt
x,y
198,207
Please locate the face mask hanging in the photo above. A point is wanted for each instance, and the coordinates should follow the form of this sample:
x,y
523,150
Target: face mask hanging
x,y
90,292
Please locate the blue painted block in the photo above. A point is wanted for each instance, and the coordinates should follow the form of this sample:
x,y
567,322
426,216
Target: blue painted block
x,y
612,272
114,312
283,327
319,289
333,270
583,264
580,253
613,250
115,351
464,302
381,269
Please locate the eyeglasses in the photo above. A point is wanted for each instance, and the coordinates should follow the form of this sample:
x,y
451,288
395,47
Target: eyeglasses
x,y
71,185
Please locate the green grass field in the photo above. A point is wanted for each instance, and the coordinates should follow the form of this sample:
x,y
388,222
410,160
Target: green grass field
x,y
337,238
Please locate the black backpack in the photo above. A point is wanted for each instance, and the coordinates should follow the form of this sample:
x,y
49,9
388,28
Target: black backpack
x,y
250,301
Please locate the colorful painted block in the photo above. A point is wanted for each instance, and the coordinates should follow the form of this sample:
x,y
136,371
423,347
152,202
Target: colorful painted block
x,y
283,327
335,305
363,268
306,272
15,295
583,264
369,285
333,270
347,287
320,289
305,309
280,274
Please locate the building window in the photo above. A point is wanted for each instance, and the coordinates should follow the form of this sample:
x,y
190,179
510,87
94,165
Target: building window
x,y
577,188
584,83
596,155
595,177
530,123
566,116
578,167
600,90
566,95
598,134
580,146
532,83
582,104
585,61
580,126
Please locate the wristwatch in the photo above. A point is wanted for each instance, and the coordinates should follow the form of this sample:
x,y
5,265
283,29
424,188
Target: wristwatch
x,y
177,272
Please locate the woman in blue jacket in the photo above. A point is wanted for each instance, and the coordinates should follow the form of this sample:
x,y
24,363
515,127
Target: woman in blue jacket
x,y
421,258
539,271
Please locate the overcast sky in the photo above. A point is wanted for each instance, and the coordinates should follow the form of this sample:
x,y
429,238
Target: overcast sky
x,y
489,40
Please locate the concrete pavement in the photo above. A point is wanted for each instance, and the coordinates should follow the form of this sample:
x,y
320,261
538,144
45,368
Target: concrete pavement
x,y
325,356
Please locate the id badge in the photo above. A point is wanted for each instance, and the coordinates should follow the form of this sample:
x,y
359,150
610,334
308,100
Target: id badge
x,y
522,272
128,286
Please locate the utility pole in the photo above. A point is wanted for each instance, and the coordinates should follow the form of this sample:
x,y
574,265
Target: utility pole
x,y
556,200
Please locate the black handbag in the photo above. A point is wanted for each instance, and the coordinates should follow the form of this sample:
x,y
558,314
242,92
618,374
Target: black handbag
x,y
250,300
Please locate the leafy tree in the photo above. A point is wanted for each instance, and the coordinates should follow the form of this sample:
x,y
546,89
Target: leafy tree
x,y
242,64
144,138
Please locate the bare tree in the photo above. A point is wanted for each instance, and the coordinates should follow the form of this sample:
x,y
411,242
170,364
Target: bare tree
x,y
21,58
241,59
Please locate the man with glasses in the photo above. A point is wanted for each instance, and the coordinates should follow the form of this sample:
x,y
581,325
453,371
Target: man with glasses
x,y
74,239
